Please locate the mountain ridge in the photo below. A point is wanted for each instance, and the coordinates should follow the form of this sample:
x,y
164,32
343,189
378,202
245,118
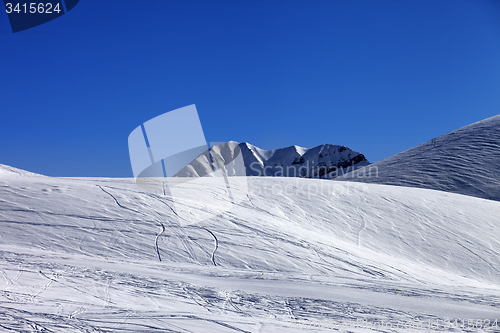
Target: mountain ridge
x,y
464,161
9,170
323,161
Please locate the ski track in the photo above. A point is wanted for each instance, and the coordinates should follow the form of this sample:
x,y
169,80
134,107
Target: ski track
x,y
289,310
129,313
7,280
118,203
174,230
44,287
156,241
216,245
107,296
77,312
85,236
196,299
363,225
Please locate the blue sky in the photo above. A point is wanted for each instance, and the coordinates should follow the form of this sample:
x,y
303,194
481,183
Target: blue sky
x,y
377,76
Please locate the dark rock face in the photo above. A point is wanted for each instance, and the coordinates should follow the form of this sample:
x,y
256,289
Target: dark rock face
x,y
298,160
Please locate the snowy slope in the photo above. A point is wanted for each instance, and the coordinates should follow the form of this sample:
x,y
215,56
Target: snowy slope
x,y
88,255
324,161
8,170
465,161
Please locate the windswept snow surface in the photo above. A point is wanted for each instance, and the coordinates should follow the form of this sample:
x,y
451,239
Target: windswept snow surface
x,y
83,255
465,161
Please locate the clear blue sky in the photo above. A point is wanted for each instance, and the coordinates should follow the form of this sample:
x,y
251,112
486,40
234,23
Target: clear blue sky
x,y
377,76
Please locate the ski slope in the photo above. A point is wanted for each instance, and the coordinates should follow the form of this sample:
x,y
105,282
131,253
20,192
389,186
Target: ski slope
x,y
104,255
465,161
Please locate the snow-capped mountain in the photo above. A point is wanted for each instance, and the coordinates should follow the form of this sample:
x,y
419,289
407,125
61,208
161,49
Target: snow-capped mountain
x,y
465,161
324,161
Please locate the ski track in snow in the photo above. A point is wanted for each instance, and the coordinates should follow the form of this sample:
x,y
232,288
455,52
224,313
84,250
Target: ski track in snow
x,y
7,280
106,291
216,245
129,313
77,312
44,287
116,201
176,230
156,241
363,223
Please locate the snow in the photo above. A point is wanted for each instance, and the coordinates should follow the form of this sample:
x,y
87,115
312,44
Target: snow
x,y
83,255
465,161
324,161
8,170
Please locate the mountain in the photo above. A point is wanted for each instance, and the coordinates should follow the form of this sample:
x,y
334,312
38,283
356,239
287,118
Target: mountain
x,y
465,161
104,255
8,170
324,161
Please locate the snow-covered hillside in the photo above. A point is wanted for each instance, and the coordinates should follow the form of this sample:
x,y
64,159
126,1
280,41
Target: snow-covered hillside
x,y
465,161
8,170
324,161
103,255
